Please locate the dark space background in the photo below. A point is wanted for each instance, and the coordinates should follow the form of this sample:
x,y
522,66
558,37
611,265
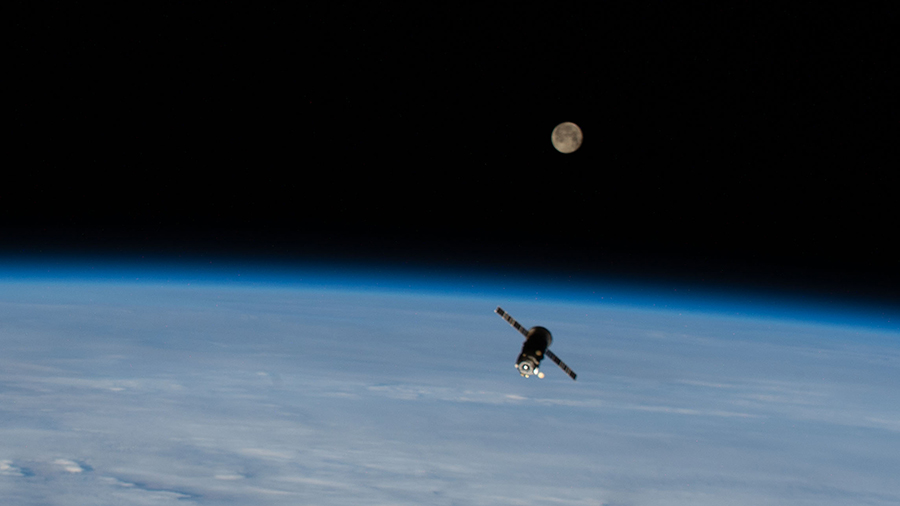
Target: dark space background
x,y
725,146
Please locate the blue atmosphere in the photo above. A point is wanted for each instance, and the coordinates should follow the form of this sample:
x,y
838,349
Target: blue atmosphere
x,y
466,282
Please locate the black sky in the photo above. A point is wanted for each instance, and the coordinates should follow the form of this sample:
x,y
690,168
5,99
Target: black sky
x,y
721,145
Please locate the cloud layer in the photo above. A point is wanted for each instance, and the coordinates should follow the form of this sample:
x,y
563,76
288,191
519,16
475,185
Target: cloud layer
x,y
139,394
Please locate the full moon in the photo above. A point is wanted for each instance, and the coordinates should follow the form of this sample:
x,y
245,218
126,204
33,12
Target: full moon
x,y
566,137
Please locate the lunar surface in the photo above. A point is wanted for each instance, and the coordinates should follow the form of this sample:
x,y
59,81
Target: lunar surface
x,y
167,391
566,137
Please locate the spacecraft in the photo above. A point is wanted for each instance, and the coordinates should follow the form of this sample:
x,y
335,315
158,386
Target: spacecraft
x,y
534,349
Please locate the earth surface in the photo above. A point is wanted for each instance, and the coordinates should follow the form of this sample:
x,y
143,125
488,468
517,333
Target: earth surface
x,y
118,391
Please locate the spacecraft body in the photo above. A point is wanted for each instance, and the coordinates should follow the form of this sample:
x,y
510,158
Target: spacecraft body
x,y
534,349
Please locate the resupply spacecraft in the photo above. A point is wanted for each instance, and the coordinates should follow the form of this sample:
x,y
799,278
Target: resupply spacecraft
x,y
534,349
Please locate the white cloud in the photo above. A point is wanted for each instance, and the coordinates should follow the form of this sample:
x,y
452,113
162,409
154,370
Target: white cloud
x,y
229,477
69,466
8,469
266,454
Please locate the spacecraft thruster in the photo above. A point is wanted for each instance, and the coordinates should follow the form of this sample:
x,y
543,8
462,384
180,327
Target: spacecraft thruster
x,y
534,349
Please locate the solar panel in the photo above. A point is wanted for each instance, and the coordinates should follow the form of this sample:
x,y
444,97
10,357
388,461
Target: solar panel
x,y
512,321
561,364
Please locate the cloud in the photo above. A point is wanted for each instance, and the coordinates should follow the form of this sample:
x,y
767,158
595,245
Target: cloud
x,y
686,411
229,477
69,466
708,384
893,425
8,469
266,454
